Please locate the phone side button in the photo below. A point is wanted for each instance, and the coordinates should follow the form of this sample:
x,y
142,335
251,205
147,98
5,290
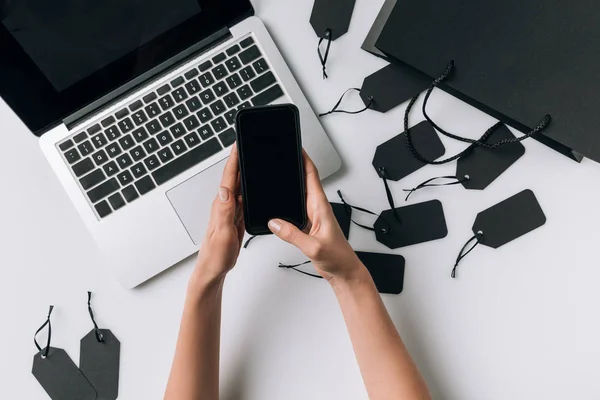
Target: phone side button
x,y
228,137
186,161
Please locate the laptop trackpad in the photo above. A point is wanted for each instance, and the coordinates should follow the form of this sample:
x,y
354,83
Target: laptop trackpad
x,y
192,200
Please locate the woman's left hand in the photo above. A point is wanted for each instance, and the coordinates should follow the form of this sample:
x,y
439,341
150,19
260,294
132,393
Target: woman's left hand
x,y
223,241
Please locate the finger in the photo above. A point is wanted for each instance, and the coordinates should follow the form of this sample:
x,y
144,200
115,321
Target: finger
x,y
230,174
224,207
289,233
313,181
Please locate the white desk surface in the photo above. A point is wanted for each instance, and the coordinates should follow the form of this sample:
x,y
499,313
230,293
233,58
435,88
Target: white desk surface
x,y
520,322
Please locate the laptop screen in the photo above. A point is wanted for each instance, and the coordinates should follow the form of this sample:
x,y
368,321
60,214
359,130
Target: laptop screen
x,y
58,56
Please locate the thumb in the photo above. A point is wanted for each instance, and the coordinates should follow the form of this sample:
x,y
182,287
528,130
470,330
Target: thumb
x,y
225,206
291,234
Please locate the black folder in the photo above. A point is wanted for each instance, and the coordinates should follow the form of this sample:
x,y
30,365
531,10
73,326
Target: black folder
x,y
517,60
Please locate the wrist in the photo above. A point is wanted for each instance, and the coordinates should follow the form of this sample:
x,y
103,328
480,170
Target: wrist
x,y
204,279
355,276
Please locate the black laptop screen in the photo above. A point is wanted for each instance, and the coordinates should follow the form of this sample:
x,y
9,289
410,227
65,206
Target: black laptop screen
x,y
58,56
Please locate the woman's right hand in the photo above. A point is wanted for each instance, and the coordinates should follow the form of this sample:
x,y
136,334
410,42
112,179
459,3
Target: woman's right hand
x,y
325,243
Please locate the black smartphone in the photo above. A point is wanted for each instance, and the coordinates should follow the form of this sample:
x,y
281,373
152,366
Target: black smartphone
x,y
272,171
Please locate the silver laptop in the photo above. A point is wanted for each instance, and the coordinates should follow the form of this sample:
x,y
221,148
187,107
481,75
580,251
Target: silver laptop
x,y
134,102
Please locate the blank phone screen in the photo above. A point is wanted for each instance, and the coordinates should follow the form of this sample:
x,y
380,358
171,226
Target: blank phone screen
x,y
271,163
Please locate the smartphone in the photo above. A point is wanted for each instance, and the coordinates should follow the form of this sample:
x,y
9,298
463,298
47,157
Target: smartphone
x,y
272,171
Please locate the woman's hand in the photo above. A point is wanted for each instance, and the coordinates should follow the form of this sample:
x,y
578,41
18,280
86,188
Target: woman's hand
x,y
325,243
223,241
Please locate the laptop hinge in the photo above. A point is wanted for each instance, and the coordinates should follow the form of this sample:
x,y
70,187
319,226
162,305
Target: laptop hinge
x,y
97,106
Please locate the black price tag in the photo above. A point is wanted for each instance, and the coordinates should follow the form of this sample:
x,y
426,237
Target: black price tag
x,y
332,16
387,271
395,157
483,165
99,361
409,225
342,215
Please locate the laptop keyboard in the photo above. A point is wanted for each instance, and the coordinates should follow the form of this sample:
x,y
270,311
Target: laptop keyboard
x,y
169,130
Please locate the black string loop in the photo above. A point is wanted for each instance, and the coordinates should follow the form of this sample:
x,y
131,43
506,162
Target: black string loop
x,y
251,238
477,238
323,58
47,349
295,268
383,175
481,142
337,105
99,336
348,207
428,183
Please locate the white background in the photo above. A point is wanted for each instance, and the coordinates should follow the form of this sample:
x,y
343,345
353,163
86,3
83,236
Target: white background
x,y
520,322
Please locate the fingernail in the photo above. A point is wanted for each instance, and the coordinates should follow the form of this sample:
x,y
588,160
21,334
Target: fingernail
x,y
223,195
274,225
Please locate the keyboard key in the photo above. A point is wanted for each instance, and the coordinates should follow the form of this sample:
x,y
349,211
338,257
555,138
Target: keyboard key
x,y
125,178
140,134
193,87
151,145
245,104
194,104
83,167
250,54
219,57
234,81
207,96
263,82
92,179
177,81
247,73
220,88
130,193
80,137
178,130
99,140
231,100
192,139
66,145
233,50
180,95
230,116
233,64
204,115
100,157
219,124
218,107
138,170
247,42
149,97
110,169
108,121
180,111
165,155
137,153
112,132
178,147
245,92
151,163
124,161
113,150
153,127
136,105
228,137
186,161
103,209
116,201
145,185
122,113
163,90
206,79
126,142
166,102
103,190
126,125
220,72
164,138
191,73
72,156
94,129
206,132
153,110
260,66
139,117
205,66
167,119
268,96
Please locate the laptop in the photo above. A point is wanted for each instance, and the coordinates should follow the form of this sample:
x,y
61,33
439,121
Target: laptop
x,y
134,103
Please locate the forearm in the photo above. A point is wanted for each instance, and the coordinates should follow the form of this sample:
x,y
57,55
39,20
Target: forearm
x,y
195,371
387,369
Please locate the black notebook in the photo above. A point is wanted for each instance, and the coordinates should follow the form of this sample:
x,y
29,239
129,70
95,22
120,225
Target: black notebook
x,y
517,60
